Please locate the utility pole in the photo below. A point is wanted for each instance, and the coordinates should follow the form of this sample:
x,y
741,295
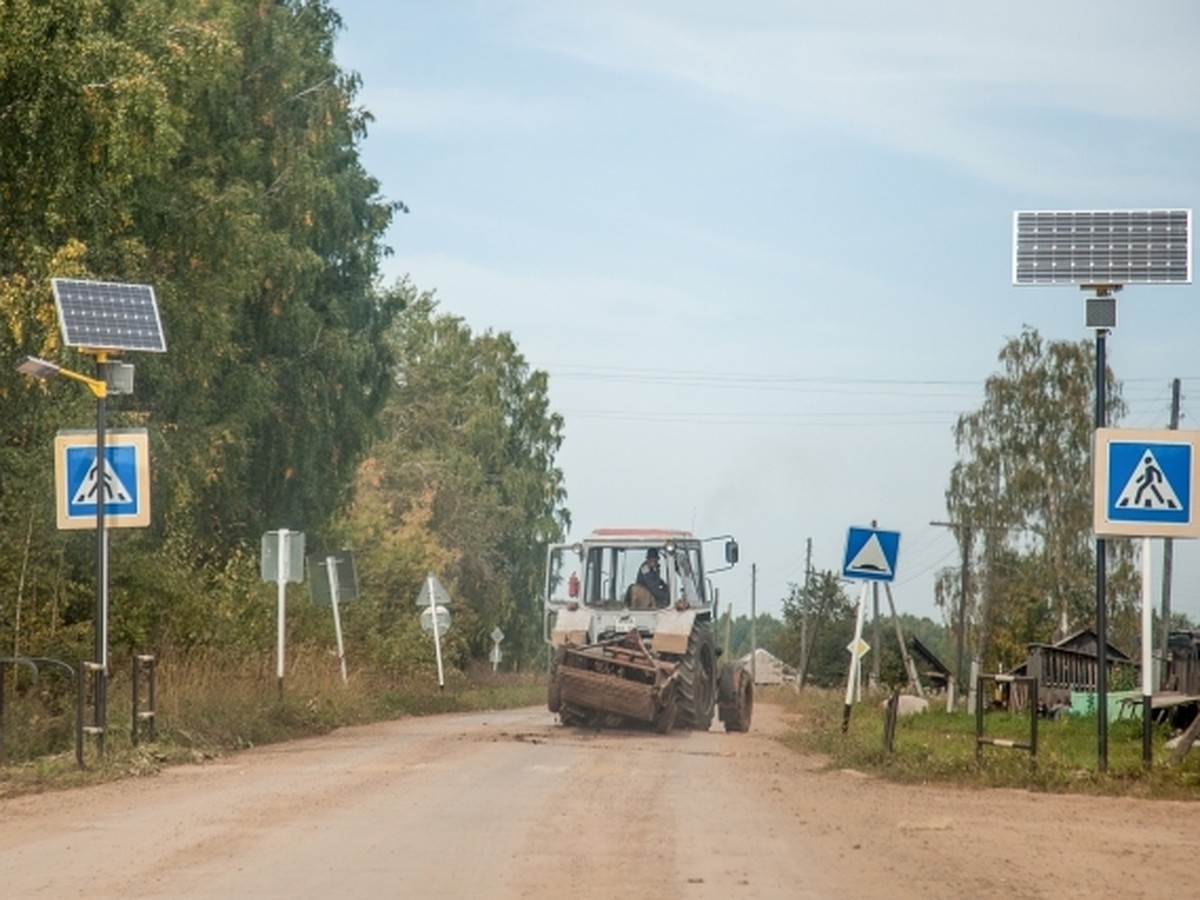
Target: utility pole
x,y
804,610
1168,560
818,618
875,636
965,538
754,622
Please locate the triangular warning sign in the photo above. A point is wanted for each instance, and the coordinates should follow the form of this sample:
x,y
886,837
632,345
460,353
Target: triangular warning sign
x,y
870,558
114,489
1148,487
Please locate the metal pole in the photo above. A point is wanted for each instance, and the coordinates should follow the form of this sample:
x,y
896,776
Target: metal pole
x,y
281,583
101,626
331,570
855,664
1168,564
1101,582
437,637
1147,653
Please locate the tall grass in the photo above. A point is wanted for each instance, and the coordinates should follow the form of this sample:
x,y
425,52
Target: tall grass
x,y
208,704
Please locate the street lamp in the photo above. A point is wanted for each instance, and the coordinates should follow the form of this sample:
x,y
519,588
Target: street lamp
x,y
99,318
45,370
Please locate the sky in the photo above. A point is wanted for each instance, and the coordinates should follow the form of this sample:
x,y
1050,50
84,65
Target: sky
x,y
764,249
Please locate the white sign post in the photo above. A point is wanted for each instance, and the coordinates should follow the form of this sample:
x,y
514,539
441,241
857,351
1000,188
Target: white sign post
x,y
1146,483
871,555
338,584
436,618
495,656
331,568
282,561
858,649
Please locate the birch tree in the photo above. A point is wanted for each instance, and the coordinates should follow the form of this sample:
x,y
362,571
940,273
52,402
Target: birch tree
x,y
1020,501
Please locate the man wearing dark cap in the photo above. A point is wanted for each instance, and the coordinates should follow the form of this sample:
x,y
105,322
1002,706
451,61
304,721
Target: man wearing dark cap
x,y
649,578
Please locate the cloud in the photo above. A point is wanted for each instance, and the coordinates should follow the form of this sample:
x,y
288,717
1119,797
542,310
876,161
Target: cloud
x,y
958,83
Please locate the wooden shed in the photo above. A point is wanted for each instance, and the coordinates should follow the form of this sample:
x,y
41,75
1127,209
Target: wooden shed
x,y
1183,662
1072,664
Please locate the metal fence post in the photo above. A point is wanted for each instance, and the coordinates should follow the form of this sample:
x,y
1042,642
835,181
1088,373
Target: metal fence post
x,y
146,663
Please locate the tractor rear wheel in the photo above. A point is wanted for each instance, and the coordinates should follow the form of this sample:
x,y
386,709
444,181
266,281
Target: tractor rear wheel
x,y
698,679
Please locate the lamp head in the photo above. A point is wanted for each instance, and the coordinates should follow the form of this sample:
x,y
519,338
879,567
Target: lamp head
x,y
38,368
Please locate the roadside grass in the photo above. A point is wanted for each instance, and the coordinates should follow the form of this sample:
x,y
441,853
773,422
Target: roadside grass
x,y
207,706
940,746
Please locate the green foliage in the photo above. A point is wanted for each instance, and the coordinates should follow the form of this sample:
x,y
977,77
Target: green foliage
x,y
818,623
208,149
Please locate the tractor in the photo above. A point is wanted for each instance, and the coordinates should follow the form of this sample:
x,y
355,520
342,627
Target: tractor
x,y
629,615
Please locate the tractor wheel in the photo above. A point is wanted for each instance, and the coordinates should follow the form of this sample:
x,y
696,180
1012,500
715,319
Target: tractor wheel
x,y
737,698
698,679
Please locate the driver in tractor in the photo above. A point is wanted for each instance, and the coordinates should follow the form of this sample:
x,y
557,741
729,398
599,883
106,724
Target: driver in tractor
x,y
650,590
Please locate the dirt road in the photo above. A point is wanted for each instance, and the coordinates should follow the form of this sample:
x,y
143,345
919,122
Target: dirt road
x,y
508,805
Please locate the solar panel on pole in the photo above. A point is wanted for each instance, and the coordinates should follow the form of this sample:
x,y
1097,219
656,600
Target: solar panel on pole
x,y
1103,250
1109,247
103,315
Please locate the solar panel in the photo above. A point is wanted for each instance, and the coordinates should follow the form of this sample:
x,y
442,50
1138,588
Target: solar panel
x,y
103,315
1103,248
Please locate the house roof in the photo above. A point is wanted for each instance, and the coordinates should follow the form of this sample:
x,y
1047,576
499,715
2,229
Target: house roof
x,y
927,655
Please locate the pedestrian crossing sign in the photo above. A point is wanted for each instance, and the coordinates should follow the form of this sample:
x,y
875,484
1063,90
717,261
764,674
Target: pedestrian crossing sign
x,y
123,482
1146,483
871,554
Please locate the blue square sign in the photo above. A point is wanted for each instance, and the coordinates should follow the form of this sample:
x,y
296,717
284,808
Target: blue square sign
x,y
122,484
871,554
1146,483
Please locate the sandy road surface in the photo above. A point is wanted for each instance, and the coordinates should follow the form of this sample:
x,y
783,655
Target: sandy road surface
x,y
508,804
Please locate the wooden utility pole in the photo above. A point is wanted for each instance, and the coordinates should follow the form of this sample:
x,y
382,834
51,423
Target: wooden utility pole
x,y
910,668
804,609
754,622
878,638
875,630
1168,560
965,536
818,618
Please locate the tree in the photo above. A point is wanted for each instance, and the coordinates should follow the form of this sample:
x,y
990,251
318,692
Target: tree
x,y
818,649
468,455
1020,498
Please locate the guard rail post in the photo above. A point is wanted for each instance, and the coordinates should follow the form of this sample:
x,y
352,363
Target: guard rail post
x,y
96,671
144,665
980,739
